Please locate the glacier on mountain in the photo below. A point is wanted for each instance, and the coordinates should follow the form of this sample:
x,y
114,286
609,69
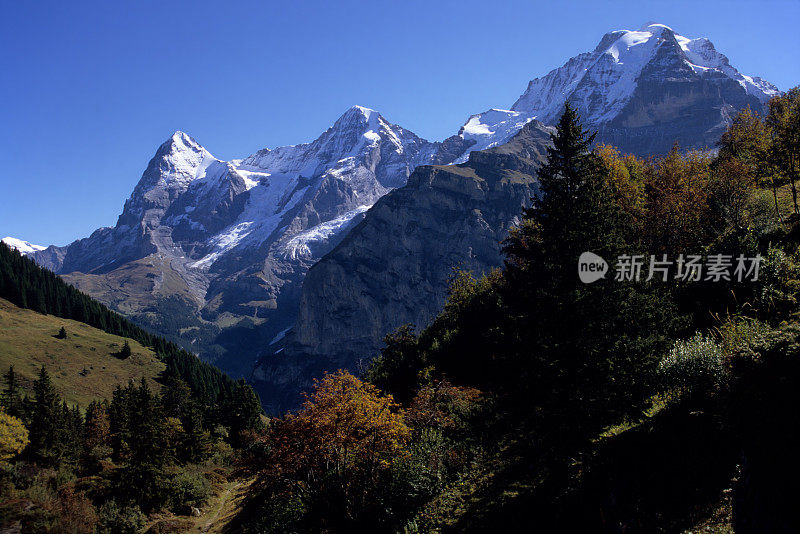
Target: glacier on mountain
x,y
491,128
23,247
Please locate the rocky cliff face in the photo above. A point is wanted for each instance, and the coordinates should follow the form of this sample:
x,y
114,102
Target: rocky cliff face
x,y
393,267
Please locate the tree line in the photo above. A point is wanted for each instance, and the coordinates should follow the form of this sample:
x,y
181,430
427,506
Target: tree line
x,y
27,285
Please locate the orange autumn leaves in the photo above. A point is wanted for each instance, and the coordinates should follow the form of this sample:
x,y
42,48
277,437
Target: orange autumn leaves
x,y
679,201
348,435
345,426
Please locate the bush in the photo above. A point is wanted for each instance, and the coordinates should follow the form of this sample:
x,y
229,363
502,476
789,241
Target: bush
x,y
189,489
418,476
740,333
693,366
222,454
13,436
125,352
76,514
762,211
280,513
778,287
115,519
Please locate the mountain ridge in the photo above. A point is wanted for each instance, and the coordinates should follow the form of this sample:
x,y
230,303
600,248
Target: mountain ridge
x,y
225,244
643,84
214,253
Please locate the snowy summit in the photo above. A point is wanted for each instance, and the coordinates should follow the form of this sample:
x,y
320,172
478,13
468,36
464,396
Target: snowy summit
x,y
634,80
24,247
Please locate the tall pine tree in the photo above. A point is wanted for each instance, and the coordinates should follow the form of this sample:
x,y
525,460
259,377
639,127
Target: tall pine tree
x,y
10,399
46,419
581,350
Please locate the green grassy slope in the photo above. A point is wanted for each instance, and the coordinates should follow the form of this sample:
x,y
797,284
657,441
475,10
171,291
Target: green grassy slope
x,y
83,366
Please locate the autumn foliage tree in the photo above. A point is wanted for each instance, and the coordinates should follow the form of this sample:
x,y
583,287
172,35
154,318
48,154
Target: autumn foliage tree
x,y
442,405
625,176
13,436
677,201
96,434
97,430
783,124
747,141
338,449
449,414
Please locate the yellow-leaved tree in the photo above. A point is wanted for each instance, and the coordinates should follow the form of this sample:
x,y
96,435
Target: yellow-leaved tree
x,y
13,436
625,174
340,446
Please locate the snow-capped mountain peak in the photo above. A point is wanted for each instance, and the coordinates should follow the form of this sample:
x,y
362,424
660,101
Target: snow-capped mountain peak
x,y
23,247
601,83
702,56
653,27
357,111
184,159
352,137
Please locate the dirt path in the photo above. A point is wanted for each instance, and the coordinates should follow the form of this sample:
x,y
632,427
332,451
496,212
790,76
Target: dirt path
x,y
223,506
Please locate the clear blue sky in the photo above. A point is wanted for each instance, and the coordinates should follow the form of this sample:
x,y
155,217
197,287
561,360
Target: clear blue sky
x,y
90,89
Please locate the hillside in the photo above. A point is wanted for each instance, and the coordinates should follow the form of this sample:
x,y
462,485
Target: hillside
x,y
539,400
157,450
29,286
84,366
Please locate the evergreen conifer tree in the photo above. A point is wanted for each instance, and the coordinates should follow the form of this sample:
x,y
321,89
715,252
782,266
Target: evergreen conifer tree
x,y
583,350
46,418
125,352
10,400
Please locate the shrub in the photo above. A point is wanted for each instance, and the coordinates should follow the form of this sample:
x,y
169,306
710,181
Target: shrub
x,y
762,211
115,519
778,287
75,512
740,333
125,352
280,513
693,366
189,489
419,475
222,454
